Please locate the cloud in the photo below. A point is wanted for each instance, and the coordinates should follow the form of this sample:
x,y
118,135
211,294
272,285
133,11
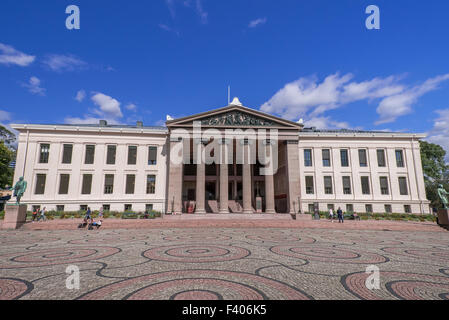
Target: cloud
x,y
326,123
11,56
257,22
34,87
60,63
4,116
307,97
202,14
171,5
439,134
80,95
131,107
109,107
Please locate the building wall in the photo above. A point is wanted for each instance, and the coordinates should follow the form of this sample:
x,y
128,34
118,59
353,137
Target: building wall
x,y
99,169
412,170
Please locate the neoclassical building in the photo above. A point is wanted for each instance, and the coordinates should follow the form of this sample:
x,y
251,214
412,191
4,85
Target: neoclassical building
x,y
229,160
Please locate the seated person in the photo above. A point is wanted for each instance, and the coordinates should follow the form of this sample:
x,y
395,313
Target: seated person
x,y
83,225
95,224
146,215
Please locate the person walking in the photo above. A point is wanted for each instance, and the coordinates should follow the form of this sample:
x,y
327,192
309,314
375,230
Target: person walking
x,y
42,215
100,213
88,215
331,214
340,215
35,212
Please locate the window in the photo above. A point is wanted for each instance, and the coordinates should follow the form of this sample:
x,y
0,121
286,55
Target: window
x,y
132,155
369,208
407,208
87,184
403,186
326,157
384,186
151,184
60,208
311,208
44,154
309,185
83,207
346,185
40,183
362,158
67,153
328,185
388,208
330,206
109,184
64,184
110,159
399,159
349,208
130,182
365,185
90,154
149,207
307,157
381,158
106,207
128,207
152,156
344,158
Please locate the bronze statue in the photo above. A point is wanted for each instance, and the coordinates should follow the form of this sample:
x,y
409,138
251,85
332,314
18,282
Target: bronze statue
x,y
443,193
19,189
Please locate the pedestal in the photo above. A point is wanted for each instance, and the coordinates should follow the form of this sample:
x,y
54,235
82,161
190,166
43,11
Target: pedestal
x,y
259,204
15,216
443,219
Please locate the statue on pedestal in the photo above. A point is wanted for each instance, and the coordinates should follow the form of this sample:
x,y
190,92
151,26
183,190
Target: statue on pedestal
x,y
443,193
19,189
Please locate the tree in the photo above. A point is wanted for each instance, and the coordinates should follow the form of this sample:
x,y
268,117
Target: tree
x,y
435,170
7,154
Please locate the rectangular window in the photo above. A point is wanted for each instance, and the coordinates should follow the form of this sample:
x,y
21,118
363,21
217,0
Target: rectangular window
x,y
64,184
110,158
40,183
109,184
152,156
45,152
407,208
328,185
326,157
132,155
309,185
399,159
307,157
381,158
384,186
362,158
130,183
83,207
346,185
60,208
344,158
106,207
67,153
311,208
365,185
403,186
349,208
151,184
388,208
87,184
90,154
369,208
330,206
149,207
128,207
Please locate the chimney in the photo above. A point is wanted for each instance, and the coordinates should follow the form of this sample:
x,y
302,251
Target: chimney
x,y
103,123
139,124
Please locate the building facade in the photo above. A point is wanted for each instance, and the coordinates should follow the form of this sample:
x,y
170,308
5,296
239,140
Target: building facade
x,y
233,159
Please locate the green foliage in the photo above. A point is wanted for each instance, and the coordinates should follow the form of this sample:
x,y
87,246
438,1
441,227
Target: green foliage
x,y
6,156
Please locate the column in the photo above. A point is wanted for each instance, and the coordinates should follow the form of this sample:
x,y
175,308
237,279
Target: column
x,y
224,179
246,177
269,181
174,195
200,179
293,175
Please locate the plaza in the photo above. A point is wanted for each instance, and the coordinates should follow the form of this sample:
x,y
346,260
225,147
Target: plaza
x,y
205,258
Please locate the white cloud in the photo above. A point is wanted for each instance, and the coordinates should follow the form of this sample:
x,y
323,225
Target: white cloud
x,y
109,106
61,63
439,134
325,123
131,107
4,116
309,98
202,14
34,86
11,56
187,3
257,22
80,95
171,7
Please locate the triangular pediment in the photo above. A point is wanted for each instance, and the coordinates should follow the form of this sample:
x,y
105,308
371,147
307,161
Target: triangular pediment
x,y
235,117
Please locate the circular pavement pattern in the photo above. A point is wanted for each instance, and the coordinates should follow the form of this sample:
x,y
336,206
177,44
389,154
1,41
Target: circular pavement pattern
x,y
55,256
109,238
407,286
198,285
12,289
273,236
328,254
206,237
196,253
421,253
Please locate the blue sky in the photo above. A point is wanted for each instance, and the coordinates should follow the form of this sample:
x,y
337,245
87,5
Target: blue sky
x,y
141,60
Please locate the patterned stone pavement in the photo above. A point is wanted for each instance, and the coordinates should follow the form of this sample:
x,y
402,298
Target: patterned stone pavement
x,y
224,263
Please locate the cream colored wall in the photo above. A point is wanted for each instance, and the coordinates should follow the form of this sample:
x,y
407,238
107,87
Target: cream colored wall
x,y
99,169
412,171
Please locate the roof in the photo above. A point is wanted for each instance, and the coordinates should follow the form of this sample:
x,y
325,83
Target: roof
x,y
91,127
349,132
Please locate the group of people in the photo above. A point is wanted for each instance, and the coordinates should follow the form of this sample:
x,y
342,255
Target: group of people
x,y
39,214
89,220
341,217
